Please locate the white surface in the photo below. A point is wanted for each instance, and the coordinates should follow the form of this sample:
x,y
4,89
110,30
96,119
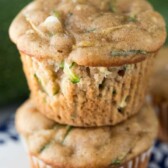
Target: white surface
x,y
12,155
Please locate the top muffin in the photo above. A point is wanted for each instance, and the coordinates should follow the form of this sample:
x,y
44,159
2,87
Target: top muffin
x,y
89,32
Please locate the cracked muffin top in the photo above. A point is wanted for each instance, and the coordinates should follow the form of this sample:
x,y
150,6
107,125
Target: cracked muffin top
x,y
67,146
89,32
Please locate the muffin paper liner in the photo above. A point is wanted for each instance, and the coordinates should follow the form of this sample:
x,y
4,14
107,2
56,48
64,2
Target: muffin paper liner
x,y
121,96
140,161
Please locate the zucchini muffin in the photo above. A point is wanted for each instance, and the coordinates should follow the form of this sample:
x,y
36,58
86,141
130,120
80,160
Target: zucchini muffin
x,y
87,62
159,91
51,145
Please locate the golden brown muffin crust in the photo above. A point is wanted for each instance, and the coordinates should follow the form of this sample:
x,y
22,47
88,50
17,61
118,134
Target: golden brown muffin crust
x,y
89,32
71,147
38,120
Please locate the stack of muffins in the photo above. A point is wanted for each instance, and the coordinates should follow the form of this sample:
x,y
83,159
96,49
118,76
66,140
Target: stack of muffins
x,y
87,63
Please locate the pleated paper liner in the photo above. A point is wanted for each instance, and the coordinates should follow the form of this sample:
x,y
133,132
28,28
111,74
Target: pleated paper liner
x,y
140,161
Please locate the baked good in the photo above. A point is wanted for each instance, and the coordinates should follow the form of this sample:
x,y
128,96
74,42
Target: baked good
x,y
51,145
87,62
159,91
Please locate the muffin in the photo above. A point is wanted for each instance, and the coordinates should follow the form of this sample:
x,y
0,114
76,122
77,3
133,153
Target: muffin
x,y
52,145
87,62
159,91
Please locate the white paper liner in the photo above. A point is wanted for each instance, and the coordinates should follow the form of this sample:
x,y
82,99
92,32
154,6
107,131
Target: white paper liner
x,y
138,162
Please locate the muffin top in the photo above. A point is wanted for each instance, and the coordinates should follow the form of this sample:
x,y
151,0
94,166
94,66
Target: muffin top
x,y
71,147
159,80
89,32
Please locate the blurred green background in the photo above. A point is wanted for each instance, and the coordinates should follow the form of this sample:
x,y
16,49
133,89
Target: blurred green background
x,y
12,81
13,85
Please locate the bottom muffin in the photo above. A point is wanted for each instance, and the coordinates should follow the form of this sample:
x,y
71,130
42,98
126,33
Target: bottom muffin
x,y
159,91
51,145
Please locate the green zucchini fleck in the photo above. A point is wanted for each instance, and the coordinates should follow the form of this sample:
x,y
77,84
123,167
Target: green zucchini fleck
x,y
61,65
40,83
68,130
132,19
73,64
75,80
127,53
73,77
112,6
116,162
56,14
44,147
119,160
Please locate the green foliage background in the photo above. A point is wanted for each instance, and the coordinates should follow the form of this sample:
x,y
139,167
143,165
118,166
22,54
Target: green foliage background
x,y
162,7
12,81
